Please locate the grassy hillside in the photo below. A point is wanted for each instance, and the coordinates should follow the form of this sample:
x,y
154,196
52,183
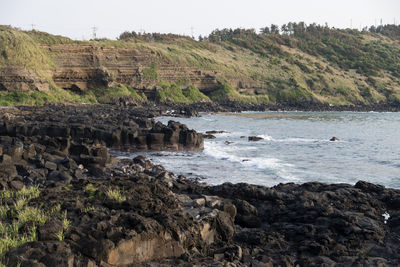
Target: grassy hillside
x,y
296,64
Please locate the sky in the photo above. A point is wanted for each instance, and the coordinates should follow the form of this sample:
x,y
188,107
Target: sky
x,y
76,18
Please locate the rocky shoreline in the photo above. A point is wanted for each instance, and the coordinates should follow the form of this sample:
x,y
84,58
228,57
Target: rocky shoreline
x,y
103,211
189,110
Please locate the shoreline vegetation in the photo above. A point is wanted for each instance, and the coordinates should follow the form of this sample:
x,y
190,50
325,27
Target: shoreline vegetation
x,y
290,66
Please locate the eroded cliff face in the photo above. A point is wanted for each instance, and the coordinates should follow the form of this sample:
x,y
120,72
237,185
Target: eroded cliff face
x,y
81,67
19,78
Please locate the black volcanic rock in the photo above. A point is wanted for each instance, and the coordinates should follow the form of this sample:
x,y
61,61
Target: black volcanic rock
x,y
161,219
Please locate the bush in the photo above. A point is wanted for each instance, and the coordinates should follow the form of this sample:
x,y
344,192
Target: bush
x,y
108,95
193,95
226,92
170,92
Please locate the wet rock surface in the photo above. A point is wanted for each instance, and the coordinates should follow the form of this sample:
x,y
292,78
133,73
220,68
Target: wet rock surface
x,y
130,212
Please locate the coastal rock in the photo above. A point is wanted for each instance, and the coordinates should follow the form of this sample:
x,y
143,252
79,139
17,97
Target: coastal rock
x,y
254,138
209,136
215,132
115,128
124,212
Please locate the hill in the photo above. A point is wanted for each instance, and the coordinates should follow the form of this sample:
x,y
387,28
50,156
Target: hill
x,y
296,65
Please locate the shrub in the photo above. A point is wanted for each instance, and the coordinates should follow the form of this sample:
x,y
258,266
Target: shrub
x,y
115,194
170,92
226,92
193,94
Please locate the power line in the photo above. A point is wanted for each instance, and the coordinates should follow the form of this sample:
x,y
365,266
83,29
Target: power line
x,y
94,28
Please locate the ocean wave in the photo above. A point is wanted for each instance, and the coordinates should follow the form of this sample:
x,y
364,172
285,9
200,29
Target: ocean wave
x,y
291,139
266,137
302,140
223,152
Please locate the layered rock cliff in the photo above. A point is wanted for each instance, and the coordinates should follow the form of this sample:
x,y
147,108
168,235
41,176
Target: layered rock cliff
x,y
80,67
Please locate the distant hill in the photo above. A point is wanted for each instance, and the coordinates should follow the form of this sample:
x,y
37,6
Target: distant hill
x,y
292,64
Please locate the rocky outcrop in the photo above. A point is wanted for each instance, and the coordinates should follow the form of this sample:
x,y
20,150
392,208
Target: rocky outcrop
x,y
116,128
152,223
155,217
174,221
316,224
56,144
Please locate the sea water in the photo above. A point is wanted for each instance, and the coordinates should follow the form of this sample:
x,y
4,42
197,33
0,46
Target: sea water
x,y
295,147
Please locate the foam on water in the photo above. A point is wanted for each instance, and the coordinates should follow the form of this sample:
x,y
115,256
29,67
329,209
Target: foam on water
x,y
266,137
230,153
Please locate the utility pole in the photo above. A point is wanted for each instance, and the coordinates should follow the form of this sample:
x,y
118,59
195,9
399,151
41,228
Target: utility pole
x,y
351,23
94,32
33,26
192,31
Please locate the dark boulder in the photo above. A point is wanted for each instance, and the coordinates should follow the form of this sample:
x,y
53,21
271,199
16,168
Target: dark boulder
x,y
254,138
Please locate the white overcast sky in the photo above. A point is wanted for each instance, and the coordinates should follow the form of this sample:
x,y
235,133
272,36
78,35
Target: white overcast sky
x,y
75,18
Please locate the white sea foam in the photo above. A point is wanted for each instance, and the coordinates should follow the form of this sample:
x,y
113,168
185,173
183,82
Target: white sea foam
x,y
230,153
291,139
266,137
301,140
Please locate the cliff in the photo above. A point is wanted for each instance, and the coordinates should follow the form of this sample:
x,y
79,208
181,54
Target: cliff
x,y
37,67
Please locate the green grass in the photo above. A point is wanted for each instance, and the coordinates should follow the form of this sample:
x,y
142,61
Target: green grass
x,y
226,92
54,95
88,209
49,39
115,194
150,73
294,94
91,191
170,92
26,192
107,95
58,95
19,221
193,95
18,49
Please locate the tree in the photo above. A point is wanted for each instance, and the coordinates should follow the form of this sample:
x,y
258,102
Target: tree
x,y
264,30
299,29
372,28
290,28
274,29
284,28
